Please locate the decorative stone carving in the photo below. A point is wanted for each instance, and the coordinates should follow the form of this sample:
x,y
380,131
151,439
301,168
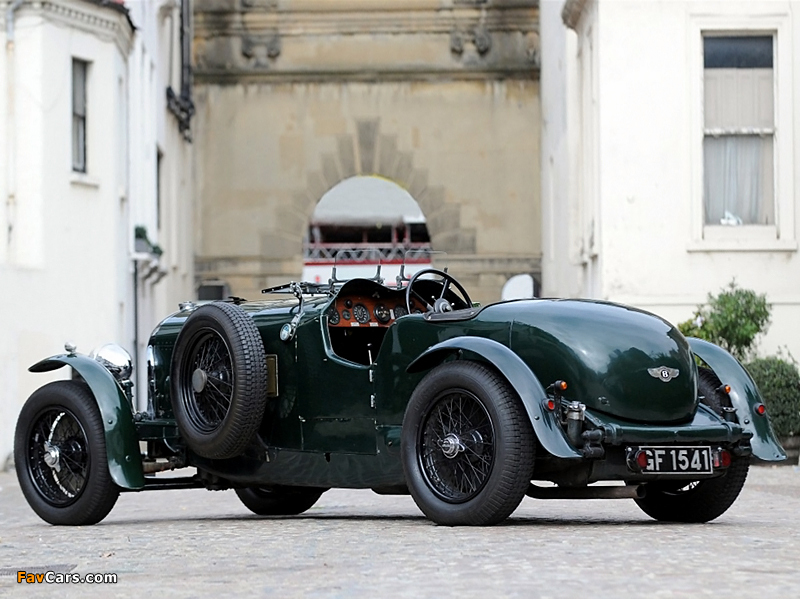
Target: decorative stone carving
x,y
532,49
259,49
482,40
274,46
456,42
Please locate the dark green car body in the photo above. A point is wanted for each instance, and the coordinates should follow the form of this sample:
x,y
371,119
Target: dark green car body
x,y
336,400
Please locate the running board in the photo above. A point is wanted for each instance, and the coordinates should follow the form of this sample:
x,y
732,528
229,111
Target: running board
x,y
603,492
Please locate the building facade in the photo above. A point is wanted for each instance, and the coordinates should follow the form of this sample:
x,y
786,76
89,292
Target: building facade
x,y
669,154
89,155
294,97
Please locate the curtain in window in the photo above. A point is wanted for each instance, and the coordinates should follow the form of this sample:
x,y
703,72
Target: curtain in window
x,y
738,180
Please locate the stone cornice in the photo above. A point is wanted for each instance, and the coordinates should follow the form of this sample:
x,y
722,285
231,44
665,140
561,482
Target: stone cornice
x,y
409,19
107,23
236,76
365,40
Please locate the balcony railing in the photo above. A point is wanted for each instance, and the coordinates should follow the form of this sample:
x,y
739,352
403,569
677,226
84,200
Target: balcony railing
x,y
345,253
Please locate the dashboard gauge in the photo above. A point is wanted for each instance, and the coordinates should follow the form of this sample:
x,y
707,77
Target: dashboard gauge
x,y
382,314
333,316
346,314
361,313
400,311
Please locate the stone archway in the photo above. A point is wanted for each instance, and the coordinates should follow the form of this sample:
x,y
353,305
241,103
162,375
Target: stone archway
x,y
371,152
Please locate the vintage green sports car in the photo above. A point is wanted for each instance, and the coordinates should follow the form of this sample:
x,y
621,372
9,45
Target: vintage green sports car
x,y
408,388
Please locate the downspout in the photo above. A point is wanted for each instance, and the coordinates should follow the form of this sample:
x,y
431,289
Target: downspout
x,y
11,133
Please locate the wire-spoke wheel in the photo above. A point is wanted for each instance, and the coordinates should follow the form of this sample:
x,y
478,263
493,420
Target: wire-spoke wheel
x,y
208,380
467,445
60,455
457,438
219,376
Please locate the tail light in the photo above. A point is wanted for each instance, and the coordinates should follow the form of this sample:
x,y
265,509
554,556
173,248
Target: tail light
x,y
722,459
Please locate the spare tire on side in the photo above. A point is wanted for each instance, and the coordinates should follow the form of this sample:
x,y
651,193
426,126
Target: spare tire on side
x,y
218,380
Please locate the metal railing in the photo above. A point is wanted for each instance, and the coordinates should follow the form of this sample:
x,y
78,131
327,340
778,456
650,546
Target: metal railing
x,y
366,253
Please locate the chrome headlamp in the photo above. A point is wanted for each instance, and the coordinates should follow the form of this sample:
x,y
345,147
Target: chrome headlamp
x,y
114,358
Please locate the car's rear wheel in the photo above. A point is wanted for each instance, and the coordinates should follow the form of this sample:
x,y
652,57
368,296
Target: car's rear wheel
x,y
707,499
60,455
467,446
279,500
695,501
219,375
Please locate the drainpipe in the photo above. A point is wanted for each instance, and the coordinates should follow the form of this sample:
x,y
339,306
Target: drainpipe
x,y
10,121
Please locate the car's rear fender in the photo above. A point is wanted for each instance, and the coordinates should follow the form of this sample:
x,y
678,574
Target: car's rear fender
x,y
122,446
745,398
545,423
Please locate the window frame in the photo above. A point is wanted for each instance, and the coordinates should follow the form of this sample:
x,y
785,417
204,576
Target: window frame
x,y
79,164
781,235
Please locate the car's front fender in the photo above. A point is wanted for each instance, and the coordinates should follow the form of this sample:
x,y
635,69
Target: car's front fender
x,y
545,423
122,445
744,397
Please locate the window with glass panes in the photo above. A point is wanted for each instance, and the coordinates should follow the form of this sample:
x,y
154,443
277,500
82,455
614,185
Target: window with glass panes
x,y
739,130
79,69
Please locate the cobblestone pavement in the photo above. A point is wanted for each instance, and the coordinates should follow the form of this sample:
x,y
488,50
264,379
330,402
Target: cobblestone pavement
x,y
194,543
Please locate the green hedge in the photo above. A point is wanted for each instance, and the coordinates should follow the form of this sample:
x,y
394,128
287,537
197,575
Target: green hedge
x,y
779,384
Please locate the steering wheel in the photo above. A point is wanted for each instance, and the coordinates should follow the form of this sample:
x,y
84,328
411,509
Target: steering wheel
x,y
440,304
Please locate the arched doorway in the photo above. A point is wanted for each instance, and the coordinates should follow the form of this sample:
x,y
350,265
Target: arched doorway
x,y
363,222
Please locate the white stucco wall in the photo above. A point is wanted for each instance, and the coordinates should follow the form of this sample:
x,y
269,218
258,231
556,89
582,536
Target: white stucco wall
x,y
654,251
66,268
62,272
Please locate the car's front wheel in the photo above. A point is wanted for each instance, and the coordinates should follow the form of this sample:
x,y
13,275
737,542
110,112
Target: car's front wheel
x,y
467,445
60,455
279,500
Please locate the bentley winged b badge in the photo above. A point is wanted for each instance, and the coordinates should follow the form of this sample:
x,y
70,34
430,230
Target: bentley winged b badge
x,y
665,374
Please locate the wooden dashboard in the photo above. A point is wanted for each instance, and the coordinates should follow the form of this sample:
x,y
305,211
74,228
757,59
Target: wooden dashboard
x,y
356,310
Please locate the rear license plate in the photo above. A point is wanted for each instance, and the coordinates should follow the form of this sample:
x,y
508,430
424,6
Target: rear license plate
x,y
677,459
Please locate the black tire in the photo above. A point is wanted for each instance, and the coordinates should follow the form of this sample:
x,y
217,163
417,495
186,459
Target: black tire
x,y
695,501
219,375
704,500
60,455
279,500
467,446
707,385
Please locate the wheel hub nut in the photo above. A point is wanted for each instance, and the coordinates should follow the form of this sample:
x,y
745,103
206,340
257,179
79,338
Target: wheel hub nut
x,y
52,456
199,379
451,445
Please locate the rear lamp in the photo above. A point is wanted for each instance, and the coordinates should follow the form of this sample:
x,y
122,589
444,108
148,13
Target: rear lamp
x,y
641,459
550,404
761,410
722,459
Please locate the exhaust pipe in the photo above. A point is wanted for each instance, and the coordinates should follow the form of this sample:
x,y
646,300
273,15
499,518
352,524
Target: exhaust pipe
x,y
602,492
